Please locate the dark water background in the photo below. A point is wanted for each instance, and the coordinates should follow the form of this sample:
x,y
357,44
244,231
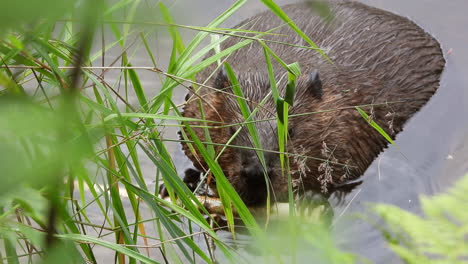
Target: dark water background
x,y
431,152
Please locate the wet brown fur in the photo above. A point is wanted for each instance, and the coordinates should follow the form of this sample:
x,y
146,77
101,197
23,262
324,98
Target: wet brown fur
x,y
378,57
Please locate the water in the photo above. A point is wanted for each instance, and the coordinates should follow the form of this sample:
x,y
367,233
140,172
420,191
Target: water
x,y
433,141
430,153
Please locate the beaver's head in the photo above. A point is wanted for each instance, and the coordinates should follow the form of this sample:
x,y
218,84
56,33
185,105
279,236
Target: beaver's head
x,y
246,164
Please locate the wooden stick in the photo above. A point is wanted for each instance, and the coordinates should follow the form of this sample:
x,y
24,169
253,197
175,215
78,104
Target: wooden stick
x,y
279,211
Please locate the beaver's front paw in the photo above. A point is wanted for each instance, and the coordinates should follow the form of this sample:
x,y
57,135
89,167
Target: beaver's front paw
x,y
192,179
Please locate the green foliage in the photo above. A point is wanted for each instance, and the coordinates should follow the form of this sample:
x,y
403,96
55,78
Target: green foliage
x,y
300,239
440,236
27,12
73,142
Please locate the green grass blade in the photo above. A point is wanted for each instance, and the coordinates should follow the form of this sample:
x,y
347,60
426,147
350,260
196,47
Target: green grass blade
x,y
78,238
280,13
373,124
246,113
175,35
191,47
223,183
139,92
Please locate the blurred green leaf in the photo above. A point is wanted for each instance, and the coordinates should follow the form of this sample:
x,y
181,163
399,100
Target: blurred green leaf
x,y
439,236
18,13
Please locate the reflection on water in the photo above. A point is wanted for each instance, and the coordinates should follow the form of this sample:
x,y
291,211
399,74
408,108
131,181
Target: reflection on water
x,y
430,153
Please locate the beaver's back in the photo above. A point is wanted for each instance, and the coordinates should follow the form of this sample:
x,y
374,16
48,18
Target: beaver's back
x,y
359,38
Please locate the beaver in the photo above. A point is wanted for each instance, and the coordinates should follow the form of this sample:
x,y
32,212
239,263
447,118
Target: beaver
x,y
378,59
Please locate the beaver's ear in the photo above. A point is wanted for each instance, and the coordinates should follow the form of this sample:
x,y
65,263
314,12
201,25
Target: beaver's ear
x,y
222,80
314,84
